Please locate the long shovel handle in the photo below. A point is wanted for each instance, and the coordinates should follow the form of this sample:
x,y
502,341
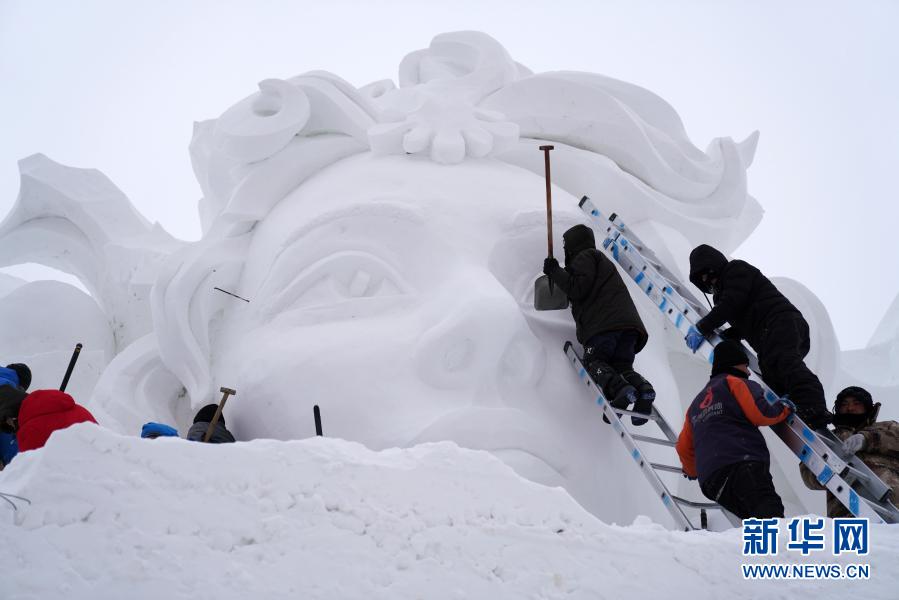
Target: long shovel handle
x,y
549,201
218,412
70,368
549,208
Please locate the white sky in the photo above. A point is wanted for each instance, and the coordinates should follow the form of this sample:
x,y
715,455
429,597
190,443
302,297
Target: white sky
x,y
117,85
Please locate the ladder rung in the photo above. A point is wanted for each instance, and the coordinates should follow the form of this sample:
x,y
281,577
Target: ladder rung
x,y
622,411
694,504
856,474
669,468
652,440
884,510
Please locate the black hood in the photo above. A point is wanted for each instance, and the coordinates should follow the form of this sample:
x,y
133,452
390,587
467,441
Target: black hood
x,y
23,372
576,240
705,259
207,413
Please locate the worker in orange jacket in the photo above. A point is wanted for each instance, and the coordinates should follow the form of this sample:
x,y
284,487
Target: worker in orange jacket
x,y
720,443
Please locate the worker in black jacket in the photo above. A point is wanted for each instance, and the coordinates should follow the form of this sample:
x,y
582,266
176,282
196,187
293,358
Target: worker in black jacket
x,y
760,314
608,325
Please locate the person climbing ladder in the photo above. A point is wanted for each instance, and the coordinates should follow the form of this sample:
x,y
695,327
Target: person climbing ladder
x,y
759,313
608,324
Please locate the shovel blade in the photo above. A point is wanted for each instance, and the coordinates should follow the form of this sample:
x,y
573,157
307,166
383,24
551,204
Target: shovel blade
x,y
548,296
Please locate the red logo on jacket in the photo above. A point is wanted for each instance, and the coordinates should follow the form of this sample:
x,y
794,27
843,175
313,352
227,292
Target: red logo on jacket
x,y
707,401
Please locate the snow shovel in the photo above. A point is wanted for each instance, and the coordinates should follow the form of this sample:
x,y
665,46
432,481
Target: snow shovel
x,y
546,295
218,412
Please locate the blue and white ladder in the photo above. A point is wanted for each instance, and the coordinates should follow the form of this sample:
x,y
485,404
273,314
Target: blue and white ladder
x,y
847,477
650,470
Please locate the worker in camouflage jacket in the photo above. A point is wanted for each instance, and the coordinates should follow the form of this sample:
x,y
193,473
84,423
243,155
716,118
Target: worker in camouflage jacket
x,y
875,442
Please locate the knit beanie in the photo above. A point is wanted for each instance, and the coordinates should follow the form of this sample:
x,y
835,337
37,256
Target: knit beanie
x,y
728,354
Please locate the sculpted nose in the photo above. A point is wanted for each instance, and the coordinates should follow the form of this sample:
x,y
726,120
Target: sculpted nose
x,y
484,342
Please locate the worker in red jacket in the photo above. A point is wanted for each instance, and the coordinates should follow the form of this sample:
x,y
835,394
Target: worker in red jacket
x,y
41,413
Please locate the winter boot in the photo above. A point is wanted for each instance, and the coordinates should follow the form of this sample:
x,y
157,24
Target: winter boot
x,y
617,391
645,395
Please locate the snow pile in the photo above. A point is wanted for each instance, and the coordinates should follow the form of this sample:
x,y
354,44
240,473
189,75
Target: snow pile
x,y
122,517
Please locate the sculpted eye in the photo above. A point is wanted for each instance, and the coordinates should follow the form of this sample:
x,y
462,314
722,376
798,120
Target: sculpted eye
x,y
339,279
365,284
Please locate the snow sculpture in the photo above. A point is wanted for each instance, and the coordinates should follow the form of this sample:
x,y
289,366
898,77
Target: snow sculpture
x,y
878,363
387,239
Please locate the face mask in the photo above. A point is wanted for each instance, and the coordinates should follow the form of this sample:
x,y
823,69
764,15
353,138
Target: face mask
x,y
850,420
706,285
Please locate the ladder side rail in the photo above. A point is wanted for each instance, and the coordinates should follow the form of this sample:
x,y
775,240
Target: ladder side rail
x,y
677,513
855,468
664,426
838,486
615,222
880,491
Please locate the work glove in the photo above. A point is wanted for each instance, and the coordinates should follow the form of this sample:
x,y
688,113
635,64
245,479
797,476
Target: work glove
x,y
854,443
816,418
550,265
694,339
691,478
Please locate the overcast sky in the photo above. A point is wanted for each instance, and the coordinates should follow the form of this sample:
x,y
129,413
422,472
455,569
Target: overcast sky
x,y
117,86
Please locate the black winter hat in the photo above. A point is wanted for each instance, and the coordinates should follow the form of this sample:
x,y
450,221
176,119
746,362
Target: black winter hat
x,y
728,353
576,240
858,393
705,259
205,414
23,372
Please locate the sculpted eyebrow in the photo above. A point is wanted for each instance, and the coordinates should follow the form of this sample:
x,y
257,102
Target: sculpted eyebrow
x,y
402,212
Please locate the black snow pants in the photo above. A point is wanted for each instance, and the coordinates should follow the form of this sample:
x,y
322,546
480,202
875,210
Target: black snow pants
x,y
745,489
783,344
609,358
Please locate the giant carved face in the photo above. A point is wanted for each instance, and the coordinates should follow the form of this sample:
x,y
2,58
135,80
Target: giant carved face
x,y
387,240
396,294
386,290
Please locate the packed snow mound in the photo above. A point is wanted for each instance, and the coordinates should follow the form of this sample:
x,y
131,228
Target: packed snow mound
x,y
123,517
